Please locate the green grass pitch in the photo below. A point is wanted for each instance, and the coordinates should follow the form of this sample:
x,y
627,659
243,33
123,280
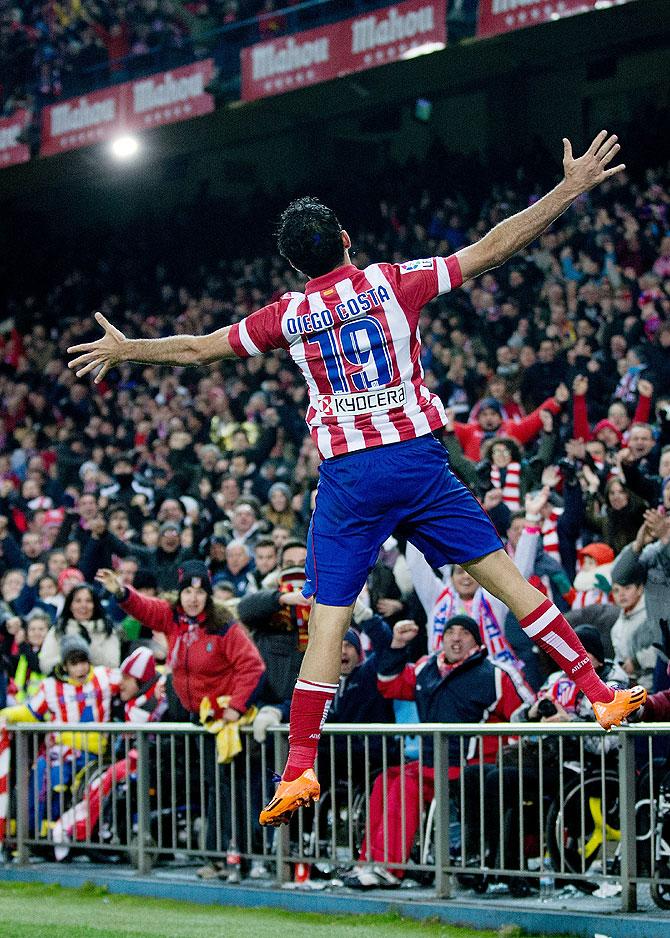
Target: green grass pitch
x,y
37,911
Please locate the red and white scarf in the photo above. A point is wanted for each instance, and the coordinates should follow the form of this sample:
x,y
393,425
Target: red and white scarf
x,y
550,534
511,486
449,604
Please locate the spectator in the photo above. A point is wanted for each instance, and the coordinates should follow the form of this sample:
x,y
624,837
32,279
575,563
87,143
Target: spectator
x,y
490,424
633,634
278,620
278,510
84,616
457,684
59,697
211,657
238,568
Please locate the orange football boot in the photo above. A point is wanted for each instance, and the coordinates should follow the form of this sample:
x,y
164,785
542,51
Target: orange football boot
x,y
290,796
624,703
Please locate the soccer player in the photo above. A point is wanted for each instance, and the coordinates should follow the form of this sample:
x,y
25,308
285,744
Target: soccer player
x,y
354,335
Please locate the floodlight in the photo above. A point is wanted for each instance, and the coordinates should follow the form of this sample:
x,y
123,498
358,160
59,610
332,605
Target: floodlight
x,y
123,148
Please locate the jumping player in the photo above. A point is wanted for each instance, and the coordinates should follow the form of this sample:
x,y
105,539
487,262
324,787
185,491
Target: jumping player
x,y
354,335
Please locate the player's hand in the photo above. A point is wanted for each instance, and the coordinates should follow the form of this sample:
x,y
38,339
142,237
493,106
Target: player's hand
x,y
104,353
403,633
591,169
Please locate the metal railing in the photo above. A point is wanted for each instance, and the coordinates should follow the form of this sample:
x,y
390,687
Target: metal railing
x,y
553,802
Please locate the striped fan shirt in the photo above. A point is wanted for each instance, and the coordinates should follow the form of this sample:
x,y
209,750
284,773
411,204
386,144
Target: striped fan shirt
x,y
354,335
90,702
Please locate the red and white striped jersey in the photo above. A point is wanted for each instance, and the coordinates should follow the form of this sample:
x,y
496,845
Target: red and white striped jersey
x,y
90,702
354,335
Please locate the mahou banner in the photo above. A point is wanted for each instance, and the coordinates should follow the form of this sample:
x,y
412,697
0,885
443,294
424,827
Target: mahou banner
x,y
353,45
12,152
504,16
169,97
165,98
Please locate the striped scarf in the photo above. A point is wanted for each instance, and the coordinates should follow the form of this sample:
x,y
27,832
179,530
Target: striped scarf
x,y
449,604
592,597
509,480
549,532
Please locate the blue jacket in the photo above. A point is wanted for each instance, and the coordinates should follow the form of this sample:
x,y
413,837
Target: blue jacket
x,y
475,691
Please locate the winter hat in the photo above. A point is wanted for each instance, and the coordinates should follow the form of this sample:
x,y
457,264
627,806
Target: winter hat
x,y
601,553
70,573
53,518
607,425
590,638
280,487
73,645
636,576
140,665
467,623
145,580
492,404
169,526
353,636
195,573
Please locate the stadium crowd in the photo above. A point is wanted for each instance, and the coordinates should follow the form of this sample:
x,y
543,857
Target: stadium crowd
x,y
144,518
55,49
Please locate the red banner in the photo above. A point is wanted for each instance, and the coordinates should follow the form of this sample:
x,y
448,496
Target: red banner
x,y
81,121
353,45
504,16
165,98
12,152
169,97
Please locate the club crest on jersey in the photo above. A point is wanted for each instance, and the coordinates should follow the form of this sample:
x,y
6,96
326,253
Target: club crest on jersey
x,y
424,263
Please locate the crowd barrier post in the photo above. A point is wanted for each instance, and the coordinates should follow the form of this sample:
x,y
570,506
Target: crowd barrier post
x,y
627,799
22,773
441,795
282,846
143,834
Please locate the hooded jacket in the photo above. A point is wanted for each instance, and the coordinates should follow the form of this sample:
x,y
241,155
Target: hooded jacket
x,y
221,662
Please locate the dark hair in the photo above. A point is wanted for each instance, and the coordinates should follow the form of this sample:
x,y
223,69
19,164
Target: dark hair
x,y
268,542
294,542
98,611
310,237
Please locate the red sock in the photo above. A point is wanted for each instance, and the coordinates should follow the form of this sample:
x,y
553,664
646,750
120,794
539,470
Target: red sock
x,y
309,708
553,633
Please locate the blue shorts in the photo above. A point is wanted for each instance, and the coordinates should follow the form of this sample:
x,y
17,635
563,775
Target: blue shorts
x,y
364,497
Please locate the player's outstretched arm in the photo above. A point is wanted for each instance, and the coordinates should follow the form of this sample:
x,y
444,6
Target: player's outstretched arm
x,y
113,348
513,234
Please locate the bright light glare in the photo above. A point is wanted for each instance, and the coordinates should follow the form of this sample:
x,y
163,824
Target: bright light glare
x,y
424,49
125,147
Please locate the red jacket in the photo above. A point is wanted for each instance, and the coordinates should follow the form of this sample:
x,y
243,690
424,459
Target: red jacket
x,y
580,421
657,708
471,436
203,664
